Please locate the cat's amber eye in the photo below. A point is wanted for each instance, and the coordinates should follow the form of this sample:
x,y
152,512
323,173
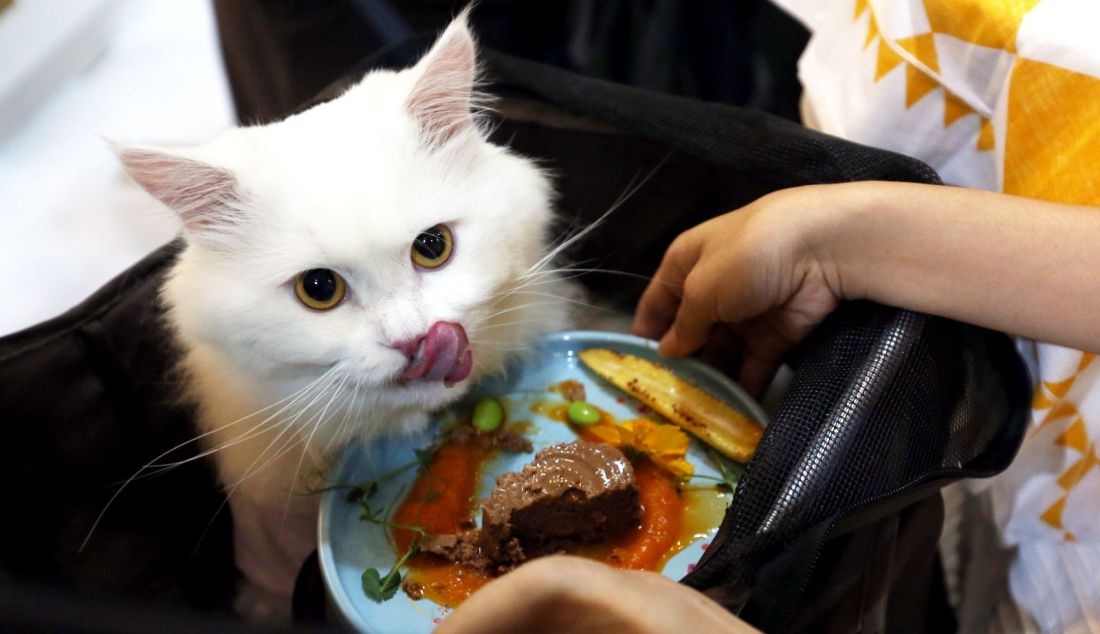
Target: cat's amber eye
x,y
320,289
433,247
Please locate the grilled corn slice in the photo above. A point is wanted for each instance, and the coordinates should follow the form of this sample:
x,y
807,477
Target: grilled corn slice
x,y
699,413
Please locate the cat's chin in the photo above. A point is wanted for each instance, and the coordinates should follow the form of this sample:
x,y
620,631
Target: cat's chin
x,y
421,395
404,409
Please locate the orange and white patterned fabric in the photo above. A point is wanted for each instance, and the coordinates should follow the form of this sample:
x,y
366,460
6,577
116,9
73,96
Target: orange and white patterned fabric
x,y
1001,95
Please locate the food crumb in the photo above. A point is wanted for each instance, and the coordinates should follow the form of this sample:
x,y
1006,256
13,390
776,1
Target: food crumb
x,y
413,588
513,442
571,389
509,440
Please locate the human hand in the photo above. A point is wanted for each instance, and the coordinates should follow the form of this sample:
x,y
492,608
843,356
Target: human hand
x,y
574,596
760,271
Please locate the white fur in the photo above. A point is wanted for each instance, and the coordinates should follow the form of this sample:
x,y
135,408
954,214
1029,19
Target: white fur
x,y
348,185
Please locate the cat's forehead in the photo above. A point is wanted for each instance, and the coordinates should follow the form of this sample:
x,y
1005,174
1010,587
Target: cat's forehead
x,y
336,159
351,139
353,177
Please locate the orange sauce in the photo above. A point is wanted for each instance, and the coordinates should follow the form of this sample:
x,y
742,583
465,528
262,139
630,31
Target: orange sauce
x,y
649,545
442,501
441,498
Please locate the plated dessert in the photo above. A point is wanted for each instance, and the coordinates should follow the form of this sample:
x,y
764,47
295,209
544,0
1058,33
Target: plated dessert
x,y
554,458
571,494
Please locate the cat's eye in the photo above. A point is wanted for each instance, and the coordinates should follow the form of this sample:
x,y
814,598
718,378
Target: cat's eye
x,y
433,247
320,289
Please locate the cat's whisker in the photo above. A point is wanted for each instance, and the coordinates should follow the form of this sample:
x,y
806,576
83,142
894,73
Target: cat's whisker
x,y
549,276
161,468
338,439
529,280
252,468
550,279
501,345
473,330
291,425
552,273
626,195
515,308
498,341
305,450
566,299
348,405
580,271
255,430
291,397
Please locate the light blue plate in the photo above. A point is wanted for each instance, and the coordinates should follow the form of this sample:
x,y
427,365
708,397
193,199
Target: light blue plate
x,y
348,546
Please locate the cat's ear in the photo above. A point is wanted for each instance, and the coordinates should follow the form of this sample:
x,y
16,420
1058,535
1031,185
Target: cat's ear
x,y
443,95
204,196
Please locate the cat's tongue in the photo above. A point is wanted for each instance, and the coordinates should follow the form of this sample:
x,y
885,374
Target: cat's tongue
x,y
443,354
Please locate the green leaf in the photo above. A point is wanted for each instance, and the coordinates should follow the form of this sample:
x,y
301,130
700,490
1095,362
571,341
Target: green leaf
x,y
372,586
390,584
379,588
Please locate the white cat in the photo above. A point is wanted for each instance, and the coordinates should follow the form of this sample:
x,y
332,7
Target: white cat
x,y
346,272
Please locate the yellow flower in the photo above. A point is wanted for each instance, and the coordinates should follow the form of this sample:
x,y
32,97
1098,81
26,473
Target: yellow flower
x,y
665,445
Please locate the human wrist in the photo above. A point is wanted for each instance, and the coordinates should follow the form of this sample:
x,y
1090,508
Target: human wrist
x,y
845,220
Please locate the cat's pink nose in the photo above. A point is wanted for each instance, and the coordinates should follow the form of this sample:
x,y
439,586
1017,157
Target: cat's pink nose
x,y
443,353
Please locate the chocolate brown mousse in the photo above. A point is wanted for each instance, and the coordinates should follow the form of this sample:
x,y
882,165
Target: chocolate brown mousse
x,y
570,494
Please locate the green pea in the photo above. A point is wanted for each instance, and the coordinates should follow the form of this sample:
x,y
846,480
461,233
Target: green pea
x,y
583,413
488,415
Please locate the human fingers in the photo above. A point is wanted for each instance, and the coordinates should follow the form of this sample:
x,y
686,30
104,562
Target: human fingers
x,y
772,335
570,595
734,273
724,349
764,353
715,292
533,598
661,298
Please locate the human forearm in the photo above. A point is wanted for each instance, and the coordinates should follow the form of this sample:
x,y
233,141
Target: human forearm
x,y
771,271
1026,267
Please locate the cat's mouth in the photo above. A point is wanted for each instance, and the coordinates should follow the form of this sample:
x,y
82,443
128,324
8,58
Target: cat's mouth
x,y
441,354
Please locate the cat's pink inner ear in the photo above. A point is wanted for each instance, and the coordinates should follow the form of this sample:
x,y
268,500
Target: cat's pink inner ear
x,y
203,195
441,98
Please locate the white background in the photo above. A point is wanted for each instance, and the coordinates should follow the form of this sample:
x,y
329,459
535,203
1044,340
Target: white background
x,y
69,220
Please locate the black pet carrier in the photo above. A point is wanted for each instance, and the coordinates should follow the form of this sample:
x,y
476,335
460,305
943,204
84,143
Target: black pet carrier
x,y
834,523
